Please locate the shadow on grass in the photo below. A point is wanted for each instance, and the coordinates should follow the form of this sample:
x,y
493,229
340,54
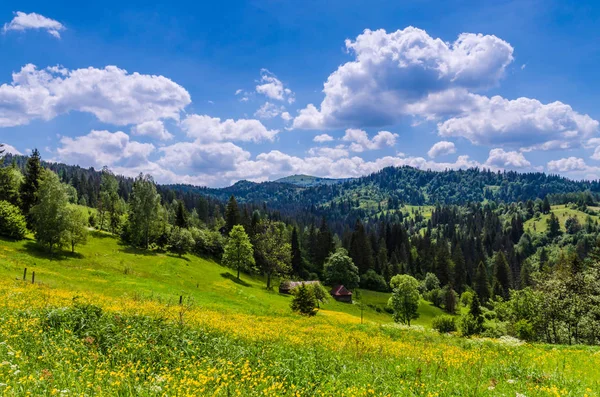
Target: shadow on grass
x,y
38,251
138,251
101,234
233,278
174,256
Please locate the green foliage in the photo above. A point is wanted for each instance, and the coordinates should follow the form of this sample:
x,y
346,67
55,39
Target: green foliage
x,y
430,283
181,241
304,301
144,220
11,180
502,276
50,214
450,300
273,249
239,253
340,269
373,281
321,294
29,188
482,283
444,324
232,214
405,298
524,330
207,242
76,222
468,325
12,222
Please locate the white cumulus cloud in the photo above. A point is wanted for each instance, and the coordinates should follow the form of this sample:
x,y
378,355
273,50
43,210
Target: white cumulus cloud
x,y
501,159
393,71
23,21
211,129
270,86
359,140
441,148
323,138
153,129
111,94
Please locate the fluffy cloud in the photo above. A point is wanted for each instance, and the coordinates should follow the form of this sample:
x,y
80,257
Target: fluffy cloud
x,y
211,129
569,164
154,129
111,94
393,71
269,110
214,158
360,140
103,148
23,21
270,86
523,122
441,148
501,159
323,138
329,152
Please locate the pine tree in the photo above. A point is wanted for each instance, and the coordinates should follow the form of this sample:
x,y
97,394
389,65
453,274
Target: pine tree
x,y
360,248
29,188
482,284
232,214
181,218
460,271
297,265
502,276
304,300
325,245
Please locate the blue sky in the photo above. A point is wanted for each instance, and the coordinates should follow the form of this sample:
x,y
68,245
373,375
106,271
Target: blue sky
x,y
212,92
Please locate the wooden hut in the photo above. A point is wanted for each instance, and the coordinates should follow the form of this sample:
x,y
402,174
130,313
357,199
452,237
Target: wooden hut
x,y
341,294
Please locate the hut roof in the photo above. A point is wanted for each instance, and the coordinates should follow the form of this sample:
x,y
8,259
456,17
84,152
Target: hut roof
x,y
340,290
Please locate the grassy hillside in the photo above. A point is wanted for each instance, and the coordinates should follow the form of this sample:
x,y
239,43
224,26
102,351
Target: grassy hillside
x,y
104,266
107,322
562,212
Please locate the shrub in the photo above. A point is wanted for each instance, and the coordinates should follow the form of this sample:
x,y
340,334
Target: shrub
x,y
12,222
444,324
304,300
373,281
524,330
435,296
468,325
466,298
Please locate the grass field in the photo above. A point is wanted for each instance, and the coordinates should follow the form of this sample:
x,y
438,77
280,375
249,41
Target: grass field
x,y
563,213
107,321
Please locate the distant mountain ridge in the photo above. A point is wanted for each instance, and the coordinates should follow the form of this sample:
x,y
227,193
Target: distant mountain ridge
x,y
309,180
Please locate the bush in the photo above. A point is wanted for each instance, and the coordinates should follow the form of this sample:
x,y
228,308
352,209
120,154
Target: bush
x,y
444,324
435,296
524,330
466,298
468,325
304,300
373,281
12,222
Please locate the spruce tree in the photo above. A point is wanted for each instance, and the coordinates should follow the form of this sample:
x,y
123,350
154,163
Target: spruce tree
x,y
297,265
325,245
304,300
232,214
460,271
482,284
502,276
29,188
181,216
360,248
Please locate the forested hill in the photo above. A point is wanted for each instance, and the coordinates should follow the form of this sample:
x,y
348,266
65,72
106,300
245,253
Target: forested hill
x,y
387,189
391,187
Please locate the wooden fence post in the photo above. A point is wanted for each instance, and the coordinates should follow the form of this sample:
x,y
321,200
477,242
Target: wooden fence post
x,y
32,277
24,274
180,299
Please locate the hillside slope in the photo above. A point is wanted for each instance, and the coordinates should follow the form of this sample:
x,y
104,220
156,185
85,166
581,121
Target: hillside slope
x,y
104,266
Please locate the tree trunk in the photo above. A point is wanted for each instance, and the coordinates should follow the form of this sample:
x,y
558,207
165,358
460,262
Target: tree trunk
x,y
268,280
